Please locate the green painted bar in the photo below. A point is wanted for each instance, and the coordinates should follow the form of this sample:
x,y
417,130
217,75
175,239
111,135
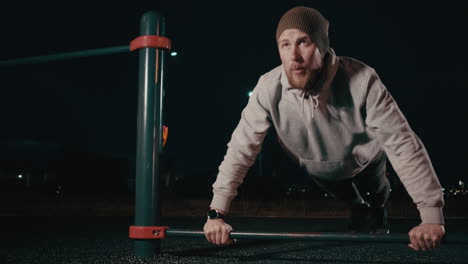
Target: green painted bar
x,y
147,209
66,56
160,86
360,237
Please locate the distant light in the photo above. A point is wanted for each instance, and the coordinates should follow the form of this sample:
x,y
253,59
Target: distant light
x,y
250,93
460,183
443,189
174,53
20,176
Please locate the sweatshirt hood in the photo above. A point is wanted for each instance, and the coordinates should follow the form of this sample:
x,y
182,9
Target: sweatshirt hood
x,y
320,92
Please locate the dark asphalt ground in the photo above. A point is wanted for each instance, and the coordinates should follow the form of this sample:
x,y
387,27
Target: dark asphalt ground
x,y
105,240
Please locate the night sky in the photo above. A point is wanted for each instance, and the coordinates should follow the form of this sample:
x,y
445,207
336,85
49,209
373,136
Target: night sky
x,y
90,104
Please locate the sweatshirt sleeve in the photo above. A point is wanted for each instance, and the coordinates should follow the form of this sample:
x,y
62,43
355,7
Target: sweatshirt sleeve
x,y
246,142
405,151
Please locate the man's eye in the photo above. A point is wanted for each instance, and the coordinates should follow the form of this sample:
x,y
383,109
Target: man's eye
x,y
285,45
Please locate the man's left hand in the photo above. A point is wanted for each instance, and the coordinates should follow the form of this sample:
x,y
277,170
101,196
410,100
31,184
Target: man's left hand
x,y
426,236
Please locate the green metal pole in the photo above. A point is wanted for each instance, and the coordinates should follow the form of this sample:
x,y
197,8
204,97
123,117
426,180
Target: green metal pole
x,y
161,85
66,56
147,210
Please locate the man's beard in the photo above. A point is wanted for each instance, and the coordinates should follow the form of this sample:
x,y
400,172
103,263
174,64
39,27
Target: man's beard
x,y
301,81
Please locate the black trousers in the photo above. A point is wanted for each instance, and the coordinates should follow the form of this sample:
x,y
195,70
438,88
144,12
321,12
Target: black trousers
x,y
371,185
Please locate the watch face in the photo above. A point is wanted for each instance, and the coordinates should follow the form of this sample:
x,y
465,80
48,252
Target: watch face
x,y
212,214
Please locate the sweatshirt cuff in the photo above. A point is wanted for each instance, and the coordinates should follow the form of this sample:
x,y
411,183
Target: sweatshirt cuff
x,y
431,215
220,202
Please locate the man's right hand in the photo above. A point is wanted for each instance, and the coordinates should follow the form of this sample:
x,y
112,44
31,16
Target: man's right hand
x,y
217,232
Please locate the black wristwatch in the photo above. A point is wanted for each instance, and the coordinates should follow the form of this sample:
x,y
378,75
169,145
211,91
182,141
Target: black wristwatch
x,y
213,214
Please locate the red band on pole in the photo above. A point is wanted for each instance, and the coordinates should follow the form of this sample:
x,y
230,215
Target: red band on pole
x,y
148,232
165,133
150,41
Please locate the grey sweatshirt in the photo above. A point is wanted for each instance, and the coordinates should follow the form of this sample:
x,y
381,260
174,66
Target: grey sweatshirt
x,y
334,132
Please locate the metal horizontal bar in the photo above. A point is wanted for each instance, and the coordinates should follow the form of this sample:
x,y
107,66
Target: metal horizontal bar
x,y
66,55
361,237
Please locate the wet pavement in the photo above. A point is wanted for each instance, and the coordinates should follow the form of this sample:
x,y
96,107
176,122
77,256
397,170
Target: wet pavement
x,y
105,239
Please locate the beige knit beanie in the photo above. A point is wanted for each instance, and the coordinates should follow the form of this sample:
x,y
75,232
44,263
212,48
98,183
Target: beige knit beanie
x,y
308,20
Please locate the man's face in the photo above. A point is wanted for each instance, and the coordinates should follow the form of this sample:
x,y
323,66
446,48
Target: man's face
x,y
301,58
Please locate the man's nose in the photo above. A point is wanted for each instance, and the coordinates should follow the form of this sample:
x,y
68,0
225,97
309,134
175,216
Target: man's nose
x,y
295,53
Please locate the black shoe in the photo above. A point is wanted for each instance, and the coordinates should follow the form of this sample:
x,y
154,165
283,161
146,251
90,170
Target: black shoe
x,y
360,216
378,220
